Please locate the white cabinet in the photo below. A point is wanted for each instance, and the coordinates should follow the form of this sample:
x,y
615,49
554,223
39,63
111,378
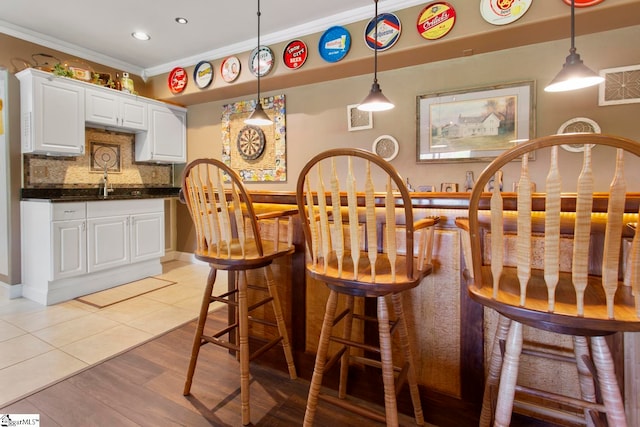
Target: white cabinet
x,y
106,107
52,114
75,248
121,233
69,248
108,242
166,139
55,111
69,242
147,236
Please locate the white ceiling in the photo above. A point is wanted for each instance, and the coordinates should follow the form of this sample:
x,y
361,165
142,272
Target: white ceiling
x,y
101,32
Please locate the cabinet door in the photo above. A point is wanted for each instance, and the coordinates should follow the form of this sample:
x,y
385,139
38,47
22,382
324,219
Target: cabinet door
x,y
133,114
114,109
108,242
101,107
147,236
58,117
69,248
166,140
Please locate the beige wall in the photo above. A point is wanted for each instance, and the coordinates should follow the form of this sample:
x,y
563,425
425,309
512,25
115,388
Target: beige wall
x,y
316,113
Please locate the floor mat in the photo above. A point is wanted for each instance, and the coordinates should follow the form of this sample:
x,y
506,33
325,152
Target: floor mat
x,y
124,292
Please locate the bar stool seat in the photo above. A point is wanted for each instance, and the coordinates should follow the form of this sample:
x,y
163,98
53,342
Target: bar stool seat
x,y
228,237
362,252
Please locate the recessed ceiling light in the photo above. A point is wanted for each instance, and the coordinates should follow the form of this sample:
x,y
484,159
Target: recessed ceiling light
x,y
180,20
140,35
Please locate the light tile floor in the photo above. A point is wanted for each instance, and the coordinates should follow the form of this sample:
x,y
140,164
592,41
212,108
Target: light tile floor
x,y
40,344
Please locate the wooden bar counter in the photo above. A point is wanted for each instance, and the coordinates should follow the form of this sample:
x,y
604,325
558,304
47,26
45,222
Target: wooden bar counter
x,y
451,329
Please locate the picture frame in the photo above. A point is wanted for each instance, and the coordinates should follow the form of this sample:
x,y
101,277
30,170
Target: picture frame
x,y
358,120
472,125
620,85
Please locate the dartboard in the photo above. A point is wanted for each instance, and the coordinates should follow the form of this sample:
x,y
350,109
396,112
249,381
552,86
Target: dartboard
x,y
251,142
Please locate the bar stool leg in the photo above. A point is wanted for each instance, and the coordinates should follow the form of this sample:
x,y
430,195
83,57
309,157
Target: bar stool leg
x,y
405,343
321,356
243,318
510,365
344,361
282,327
197,339
608,383
384,330
587,386
495,367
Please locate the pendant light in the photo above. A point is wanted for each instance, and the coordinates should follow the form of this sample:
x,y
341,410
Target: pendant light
x,y
574,74
259,116
375,101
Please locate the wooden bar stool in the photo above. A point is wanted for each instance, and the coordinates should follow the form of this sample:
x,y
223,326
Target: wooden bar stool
x,y
517,268
361,245
228,238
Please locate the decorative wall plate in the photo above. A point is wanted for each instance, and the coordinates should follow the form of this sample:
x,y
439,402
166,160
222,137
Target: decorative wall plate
x,y
436,20
389,29
386,147
230,69
334,44
578,125
261,61
177,80
502,12
203,74
295,54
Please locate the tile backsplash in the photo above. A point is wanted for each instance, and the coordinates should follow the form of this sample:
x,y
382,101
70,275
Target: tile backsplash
x,y
86,171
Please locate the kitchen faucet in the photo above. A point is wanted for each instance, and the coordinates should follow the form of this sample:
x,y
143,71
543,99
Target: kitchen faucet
x,y
105,182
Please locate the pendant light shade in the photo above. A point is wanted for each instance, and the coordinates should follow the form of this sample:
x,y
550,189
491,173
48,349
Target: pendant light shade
x,y
259,116
574,74
375,101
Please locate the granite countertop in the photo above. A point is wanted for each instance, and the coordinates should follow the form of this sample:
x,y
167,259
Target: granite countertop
x,y
94,194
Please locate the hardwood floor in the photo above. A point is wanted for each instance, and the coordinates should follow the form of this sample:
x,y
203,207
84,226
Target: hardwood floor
x,y
143,387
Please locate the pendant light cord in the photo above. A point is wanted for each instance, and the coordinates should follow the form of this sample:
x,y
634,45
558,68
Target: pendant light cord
x,y
375,47
258,53
573,25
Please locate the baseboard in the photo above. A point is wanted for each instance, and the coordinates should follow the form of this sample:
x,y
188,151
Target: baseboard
x,y
188,257
10,291
69,288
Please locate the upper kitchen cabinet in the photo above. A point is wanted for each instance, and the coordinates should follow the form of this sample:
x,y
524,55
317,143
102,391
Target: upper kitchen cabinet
x,y
52,114
106,107
166,139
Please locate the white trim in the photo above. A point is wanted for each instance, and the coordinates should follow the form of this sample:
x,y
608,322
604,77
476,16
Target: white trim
x,y
10,291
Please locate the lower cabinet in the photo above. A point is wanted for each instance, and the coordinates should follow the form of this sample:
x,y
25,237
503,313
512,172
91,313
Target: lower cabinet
x,y
123,239
71,249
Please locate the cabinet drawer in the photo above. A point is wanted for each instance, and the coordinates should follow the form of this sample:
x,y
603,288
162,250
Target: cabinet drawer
x,y
66,211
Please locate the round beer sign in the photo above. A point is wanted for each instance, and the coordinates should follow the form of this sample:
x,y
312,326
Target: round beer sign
x,y
436,20
295,54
